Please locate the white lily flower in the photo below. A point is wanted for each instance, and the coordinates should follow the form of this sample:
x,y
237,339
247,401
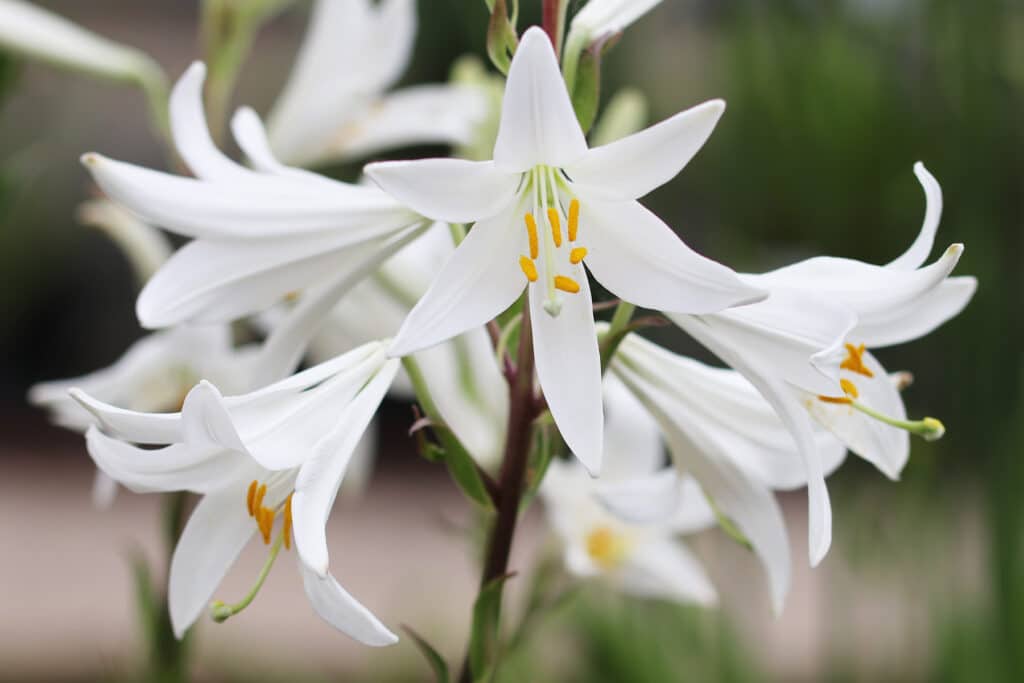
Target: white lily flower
x,y
29,30
324,114
801,349
605,17
543,170
722,433
280,451
646,559
153,375
259,235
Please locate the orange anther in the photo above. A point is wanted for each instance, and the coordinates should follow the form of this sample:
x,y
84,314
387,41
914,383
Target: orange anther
x,y
574,219
556,226
250,497
577,255
529,269
854,361
531,233
566,284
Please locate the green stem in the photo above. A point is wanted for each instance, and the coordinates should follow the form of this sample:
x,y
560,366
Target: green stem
x,y
168,655
221,612
617,331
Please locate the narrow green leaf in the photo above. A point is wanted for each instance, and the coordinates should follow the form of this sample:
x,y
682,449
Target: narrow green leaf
x,y
484,639
436,661
463,469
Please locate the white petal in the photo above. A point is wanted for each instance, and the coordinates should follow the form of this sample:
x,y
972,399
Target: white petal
x,y
633,166
917,318
281,207
643,499
217,281
782,398
205,420
319,479
178,467
569,371
216,532
342,611
538,124
452,190
104,490
667,569
418,115
632,439
137,427
602,17
479,281
639,259
145,247
748,503
918,252
886,447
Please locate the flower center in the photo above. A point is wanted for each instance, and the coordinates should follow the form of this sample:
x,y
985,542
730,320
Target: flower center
x,y
605,547
551,251
265,516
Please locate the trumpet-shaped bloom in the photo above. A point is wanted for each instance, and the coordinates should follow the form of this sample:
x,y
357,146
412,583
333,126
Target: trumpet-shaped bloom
x,y
645,559
259,234
326,114
280,452
545,207
723,434
805,348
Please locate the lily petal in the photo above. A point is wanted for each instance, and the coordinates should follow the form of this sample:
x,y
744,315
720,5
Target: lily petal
x,y
215,534
538,124
639,259
569,371
339,609
319,479
918,252
918,317
635,165
667,569
137,427
480,280
451,190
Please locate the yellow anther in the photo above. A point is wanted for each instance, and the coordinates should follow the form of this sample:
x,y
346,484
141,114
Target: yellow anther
x,y
531,233
529,269
257,502
849,388
250,498
566,284
556,226
854,361
574,219
604,547
266,524
577,254
286,527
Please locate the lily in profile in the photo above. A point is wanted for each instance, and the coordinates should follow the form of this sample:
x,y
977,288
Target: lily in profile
x,y
269,459
545,207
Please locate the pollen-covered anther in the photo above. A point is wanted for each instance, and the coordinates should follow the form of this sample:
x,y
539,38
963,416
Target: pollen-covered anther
x,y
531,234
265,516
849,388
286,527
577,255
854,361
566,284
529,268
604,547
556,226
574,219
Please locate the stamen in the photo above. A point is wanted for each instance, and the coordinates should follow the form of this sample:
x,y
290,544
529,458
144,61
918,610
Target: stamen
x,y
257,502
531,233
250,498
577,254
529,269
604,547
566,284
574,219
221,612
266,524
286,527
556,226
854,361
849,388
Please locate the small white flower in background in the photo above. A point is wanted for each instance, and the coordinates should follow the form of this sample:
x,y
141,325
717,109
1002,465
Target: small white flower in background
x,y
842,307
571,196
153,375
722,433
279,452
260,235
647,560
31,31
145,247
334,105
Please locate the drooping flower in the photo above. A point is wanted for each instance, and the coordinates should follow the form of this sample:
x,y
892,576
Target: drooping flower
x,y
644,559
725,436
580,208
279,452
259,234
326,113
804,349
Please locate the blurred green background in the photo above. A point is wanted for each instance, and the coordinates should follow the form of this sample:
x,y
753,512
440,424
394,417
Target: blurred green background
x,y
829,105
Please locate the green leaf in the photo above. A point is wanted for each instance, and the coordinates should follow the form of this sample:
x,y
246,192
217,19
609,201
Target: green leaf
x,y
463,468
436,661
484,639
